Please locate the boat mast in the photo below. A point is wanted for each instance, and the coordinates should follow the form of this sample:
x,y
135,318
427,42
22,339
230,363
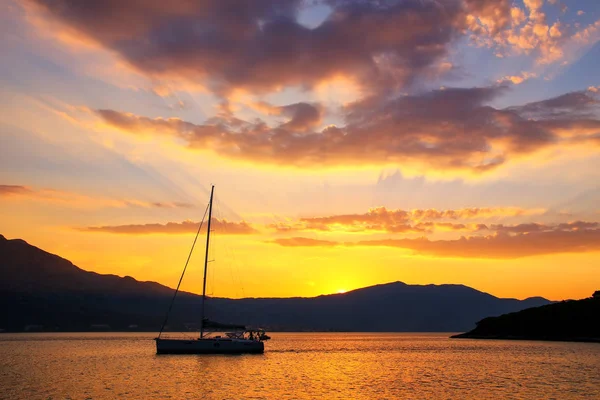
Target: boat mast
x,y
212,190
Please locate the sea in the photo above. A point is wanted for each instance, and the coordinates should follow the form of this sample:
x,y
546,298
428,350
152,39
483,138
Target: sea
x,y
298,366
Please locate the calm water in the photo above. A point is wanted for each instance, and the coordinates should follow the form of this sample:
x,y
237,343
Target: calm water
x,y
298,366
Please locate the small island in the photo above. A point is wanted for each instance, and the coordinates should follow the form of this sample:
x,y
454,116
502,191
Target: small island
x,y
570,320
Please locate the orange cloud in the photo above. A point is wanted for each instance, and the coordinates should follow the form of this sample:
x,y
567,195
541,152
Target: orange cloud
x,y
303,242
518,79
223,226
381,219
473,212
451,129
500,246
514,30
378,219
496,246
489,16
506,241
446,226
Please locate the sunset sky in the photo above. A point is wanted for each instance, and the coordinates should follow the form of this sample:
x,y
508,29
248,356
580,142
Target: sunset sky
x,y
351,142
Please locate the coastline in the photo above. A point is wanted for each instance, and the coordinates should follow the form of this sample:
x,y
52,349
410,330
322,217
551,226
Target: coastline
x,y
534,338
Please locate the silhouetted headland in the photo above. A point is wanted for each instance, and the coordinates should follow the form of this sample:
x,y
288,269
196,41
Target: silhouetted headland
x,y
571,320
42,291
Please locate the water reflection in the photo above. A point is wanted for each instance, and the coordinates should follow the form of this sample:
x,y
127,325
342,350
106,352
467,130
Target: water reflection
x,y
299,366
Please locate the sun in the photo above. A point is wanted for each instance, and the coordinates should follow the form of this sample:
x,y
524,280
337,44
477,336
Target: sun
x,y
340,291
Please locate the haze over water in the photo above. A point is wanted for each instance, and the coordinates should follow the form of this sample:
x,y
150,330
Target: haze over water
x,y
298,366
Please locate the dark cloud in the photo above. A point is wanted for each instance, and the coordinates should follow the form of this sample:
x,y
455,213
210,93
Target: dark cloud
x,y
9,190
302,116
577,225
569,105
260,45
535,227
520,228
224,227
497,246
500,246
450,128
383,45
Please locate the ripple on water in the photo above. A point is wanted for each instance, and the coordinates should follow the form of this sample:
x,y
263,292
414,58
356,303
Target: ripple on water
x,y
298,366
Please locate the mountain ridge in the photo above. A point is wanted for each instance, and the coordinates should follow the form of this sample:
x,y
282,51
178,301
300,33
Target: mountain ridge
x,y
127,277
42,289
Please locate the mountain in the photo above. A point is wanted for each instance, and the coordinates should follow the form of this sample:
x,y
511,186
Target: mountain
x,y
42,291
571,320
389,307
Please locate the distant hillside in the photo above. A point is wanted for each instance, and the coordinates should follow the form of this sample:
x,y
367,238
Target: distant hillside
x,y
572,320
391,307
42,291
27,269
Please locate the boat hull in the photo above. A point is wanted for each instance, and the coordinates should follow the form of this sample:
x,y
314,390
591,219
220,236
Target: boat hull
x,y
209,346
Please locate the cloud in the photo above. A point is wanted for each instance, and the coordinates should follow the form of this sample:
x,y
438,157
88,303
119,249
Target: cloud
x,y
535,227
500,246
223,226
13,190
350,227
513,30
473,212
497,246
381,219
452,129
383,47
489,16
501,241
260,45
77,200
518,79
302,116
570,106
303,242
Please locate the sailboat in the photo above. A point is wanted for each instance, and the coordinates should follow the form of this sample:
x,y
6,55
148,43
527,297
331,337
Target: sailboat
x,y
215,337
